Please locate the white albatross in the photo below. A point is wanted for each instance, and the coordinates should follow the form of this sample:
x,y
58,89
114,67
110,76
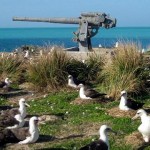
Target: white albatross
x,y
24,135
103,142
73,82
144,128
14,111
6,83
10,122
88,93
128,104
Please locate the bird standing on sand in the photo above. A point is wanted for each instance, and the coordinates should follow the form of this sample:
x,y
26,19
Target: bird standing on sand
x,y
24,135
14,111
102,143
5,84
88,93
128,104
144,128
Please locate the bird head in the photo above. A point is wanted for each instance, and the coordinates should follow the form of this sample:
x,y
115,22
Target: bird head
x,y
34,120
105,129
123,93
23,102
7,81
70,77
80,85
139,113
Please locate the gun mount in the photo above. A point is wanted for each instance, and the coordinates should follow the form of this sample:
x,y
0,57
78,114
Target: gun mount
x,y
89,23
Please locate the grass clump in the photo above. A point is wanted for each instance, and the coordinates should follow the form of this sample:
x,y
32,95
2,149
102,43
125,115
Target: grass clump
x,y
125,70
49,71
10,67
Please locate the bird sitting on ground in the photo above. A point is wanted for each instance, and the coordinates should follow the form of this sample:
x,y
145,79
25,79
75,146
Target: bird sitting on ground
x,y
102,143
10,122
88,93
128,104
5,84
73,82
26,55
14,111
144,128
24,135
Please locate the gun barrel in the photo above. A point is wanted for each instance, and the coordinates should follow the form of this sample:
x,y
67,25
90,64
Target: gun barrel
x,y
49,20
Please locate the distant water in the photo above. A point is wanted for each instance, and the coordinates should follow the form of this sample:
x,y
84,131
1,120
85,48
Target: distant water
x,y
11,38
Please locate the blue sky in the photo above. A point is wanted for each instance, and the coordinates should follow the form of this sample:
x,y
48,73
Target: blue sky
x,y
128,12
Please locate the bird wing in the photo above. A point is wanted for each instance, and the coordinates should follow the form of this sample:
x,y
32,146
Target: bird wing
x,y
21,133
6,121
11,112
77,82
2,84
133,104
96,145
5,107
93,93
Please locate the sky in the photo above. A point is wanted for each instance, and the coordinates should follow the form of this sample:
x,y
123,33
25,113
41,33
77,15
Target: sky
x,y
129,13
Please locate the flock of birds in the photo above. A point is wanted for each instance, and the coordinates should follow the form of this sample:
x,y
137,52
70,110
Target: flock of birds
x,y
12,120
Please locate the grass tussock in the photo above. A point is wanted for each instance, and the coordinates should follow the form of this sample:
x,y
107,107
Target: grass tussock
x,y
125,70
49,71
87,71
10,67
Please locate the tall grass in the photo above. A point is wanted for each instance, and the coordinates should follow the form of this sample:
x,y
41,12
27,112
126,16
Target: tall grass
x,y
125,70
10,67
87,71
49,71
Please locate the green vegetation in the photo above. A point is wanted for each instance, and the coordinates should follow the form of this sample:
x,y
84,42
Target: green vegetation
x,y
78,125
125,71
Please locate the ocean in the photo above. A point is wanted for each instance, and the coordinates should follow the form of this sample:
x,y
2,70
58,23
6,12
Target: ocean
x,y
12,38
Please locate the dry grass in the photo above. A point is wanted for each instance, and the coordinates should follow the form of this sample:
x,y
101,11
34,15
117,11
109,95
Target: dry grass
x,y
124,72
116,112
135,139
11,67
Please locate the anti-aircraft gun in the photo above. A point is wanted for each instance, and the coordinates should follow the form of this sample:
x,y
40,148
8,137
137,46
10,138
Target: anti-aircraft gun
x,y
89,23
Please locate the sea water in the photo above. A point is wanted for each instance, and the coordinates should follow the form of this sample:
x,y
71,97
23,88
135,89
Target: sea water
x,y
11,38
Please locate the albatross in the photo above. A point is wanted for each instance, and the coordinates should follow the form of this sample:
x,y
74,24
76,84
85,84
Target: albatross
x,y
73,82
10,122
88,93
128,104
6,83
23,135
14,111
102,143
144,128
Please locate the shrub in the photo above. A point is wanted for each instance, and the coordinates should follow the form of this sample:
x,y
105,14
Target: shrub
x,y
125,70
10,66
49,71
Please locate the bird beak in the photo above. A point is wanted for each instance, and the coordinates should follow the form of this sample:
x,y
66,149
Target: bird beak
x,y
27,105
135,117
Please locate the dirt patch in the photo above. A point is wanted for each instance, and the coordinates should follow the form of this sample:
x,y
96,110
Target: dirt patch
x,y
17,147
79,101
83,130
116,112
